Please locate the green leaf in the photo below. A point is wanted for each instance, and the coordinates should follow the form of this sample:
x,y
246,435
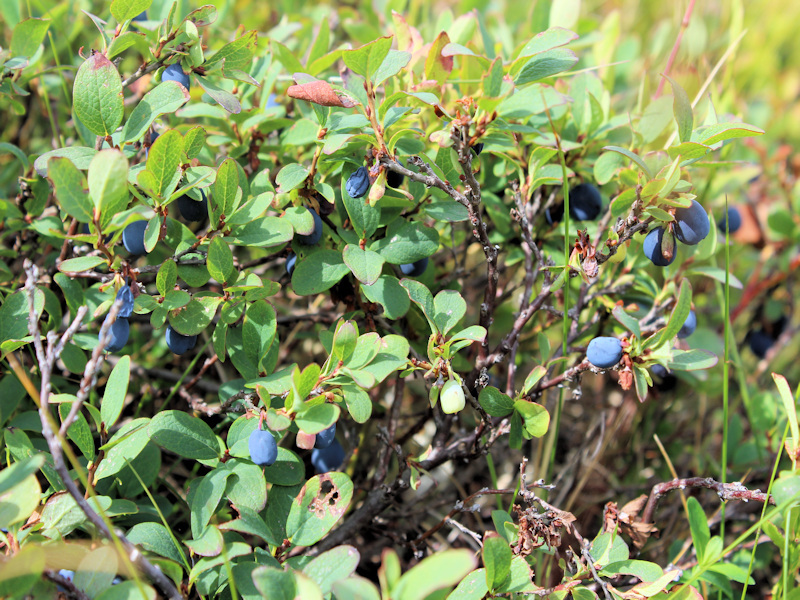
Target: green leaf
x,y
167,97
123,447
331,566
194,141
275,584
250,522
220,261
358,402
70,189
317,418
97,95
223,97
410,243
438,571
495,402
345,339
535,417
552,38
367,59
115,392
682,109
449,307
208,543
79,155
258,329
183,434
206,497
288,469
163,162
226,189
546,64
395,61
167,277
193,318
237,54
28,36
290,177
124,10
698,523
108,184
713,134
305,526
355,588
388,292
692,360
318,272
96,570
716,273
154,537
264,233
300,218
80,264
679,314
422,297
633,156
628,322
497,561
366,265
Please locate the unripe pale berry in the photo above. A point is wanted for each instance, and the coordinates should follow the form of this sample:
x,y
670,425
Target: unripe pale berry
x,y
452,397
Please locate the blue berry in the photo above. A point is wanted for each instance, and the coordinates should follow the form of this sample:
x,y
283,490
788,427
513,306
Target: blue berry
x,y
478,148
585,202
358,183
271,101
175,73
604,352
663,379
734,220
290,262
554,213
394,179
120,330
133,238
691,224
325,437
191,209
179,343
142,16
316,235
414,269
760,342
688,326
263,448
328,459
126,295
652,247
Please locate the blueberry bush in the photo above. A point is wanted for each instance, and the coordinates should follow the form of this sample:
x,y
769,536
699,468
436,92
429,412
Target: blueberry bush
x,y
398,300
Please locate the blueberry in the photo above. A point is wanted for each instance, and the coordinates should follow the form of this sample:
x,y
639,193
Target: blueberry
x,y
554,213
585,202
414,269
191,209
663,379
263,448
142,16
290,262
760,342
691,224
358,183
67,574
126,295
316,235
175,73
325,437
652,247
179,343
478,148
604,352
328,459
133,238
451,397
688,326
734,220
120,330
271,101
394,179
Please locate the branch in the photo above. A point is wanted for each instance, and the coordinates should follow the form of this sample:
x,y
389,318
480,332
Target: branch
x,y
725,491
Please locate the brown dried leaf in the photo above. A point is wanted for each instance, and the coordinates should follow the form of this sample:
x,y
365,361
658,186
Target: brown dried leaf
x,y
320,92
